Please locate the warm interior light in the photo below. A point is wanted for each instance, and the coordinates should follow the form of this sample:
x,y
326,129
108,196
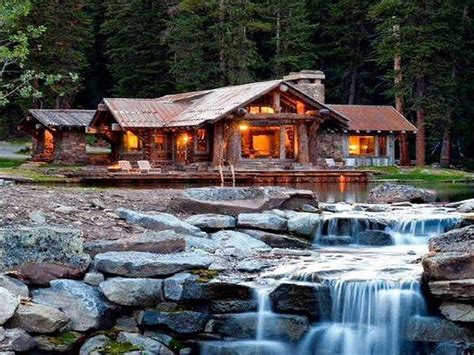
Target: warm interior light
x,y
261,109
243,127
185,138
300,107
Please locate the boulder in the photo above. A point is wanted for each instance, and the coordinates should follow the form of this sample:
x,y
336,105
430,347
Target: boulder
x,y
456,240
94,278
266,221
458,312
304,224
246,347
433,329
132,292
465,206
235,200
9,303
313,300
159,222
282,327
462,290
94,345
15,286
390,193
449,266
251,265
153,243
185,286
374,237
62,343
83,304
140,264
17,340
240,241
147,345
276,240
233,306
38,318
182,322
43,254
212,221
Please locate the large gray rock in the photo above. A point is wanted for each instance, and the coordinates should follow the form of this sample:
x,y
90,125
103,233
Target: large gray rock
x,y
432,329
304,224
239,241
132,292
8,304
38,318
374,237
233,306
311,300
83,304
185,286
246,347
458,312
159,222
153,243
465,206
456,240
449,266
212,221
16,340
235,200
266,221
182,322
43,254
390,193
148,345
94,345
462,290
282,327
59,342
138,264
15,286
277,240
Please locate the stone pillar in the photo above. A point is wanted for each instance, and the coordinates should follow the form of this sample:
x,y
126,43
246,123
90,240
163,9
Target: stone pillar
x,y
234,144
70,147
313,142
303,144
218,144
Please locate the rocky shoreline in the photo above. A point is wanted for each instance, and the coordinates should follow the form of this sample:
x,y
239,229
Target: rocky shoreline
x,y
160,277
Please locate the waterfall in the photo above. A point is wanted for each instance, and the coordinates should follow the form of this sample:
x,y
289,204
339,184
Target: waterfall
x,y
368,318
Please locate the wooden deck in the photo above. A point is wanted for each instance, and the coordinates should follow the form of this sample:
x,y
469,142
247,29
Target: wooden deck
x,y
241,176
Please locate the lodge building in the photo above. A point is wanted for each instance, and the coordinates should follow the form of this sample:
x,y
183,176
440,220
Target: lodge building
x,y
279,123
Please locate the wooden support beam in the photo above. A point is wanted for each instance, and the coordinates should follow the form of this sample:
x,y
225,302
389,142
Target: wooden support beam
x,y
218,144
278,116
276,101
234,143
303,144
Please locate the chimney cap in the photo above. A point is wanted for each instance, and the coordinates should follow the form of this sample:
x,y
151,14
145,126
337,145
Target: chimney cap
x,y
305,75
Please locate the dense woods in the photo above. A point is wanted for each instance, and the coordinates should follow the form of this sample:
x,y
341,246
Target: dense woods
x,y
71,53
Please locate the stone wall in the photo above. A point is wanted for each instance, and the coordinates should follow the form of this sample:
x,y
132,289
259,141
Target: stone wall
x,y
70,147
330,144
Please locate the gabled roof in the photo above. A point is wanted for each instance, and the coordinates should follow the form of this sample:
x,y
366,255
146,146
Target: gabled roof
x,y
374,118
63,118
195,108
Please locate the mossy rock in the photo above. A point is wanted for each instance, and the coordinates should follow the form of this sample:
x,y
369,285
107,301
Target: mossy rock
x,y
205,275
114,347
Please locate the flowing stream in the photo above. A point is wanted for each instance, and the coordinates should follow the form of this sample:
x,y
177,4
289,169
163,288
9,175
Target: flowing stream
x,y
375,290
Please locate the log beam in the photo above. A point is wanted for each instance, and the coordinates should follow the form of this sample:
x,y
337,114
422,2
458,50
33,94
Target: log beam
x,y
303,144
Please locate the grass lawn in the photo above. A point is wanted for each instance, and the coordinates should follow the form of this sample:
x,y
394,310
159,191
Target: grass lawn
x,y
11,167
421,174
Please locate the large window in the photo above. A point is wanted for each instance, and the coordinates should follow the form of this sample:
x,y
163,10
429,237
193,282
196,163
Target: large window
x,y
361,145
202,141
131,142
160,142
260,142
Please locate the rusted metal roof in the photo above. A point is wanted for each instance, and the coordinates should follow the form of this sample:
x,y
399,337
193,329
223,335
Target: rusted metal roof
x,y
63,118
151,113
374,118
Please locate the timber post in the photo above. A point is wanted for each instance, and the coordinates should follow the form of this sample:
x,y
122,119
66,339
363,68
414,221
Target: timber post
x,y
218,144
303,144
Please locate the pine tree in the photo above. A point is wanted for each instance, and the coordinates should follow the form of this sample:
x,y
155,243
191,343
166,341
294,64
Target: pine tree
x,y
137,56
61,50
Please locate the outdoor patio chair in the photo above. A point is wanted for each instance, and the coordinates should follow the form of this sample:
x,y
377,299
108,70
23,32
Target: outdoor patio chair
x,y
330,163
125,165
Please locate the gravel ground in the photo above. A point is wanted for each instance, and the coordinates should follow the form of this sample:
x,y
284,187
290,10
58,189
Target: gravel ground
x,y
90,210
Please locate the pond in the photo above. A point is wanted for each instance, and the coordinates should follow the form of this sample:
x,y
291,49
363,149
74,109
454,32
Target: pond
x,y
338,192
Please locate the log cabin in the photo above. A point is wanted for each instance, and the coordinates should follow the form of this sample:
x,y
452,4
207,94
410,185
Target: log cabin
x,y
271,124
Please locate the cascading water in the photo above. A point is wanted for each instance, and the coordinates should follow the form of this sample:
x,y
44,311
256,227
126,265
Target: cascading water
x,y
368,318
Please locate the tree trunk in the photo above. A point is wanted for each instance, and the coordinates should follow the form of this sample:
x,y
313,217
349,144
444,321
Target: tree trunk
x,y
399,105
352,87
222,64
420,123
445,160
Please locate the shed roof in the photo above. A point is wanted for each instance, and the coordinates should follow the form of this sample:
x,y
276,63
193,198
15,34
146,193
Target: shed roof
x,y
63,118
374,118
194,108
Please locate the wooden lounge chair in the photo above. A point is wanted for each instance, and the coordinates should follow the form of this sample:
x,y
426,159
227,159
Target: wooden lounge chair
x,y
144,166
330,163
125,166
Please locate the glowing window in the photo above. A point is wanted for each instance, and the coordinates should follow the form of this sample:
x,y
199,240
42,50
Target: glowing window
x,y
362,145
131,143
261,109
160,142
201,140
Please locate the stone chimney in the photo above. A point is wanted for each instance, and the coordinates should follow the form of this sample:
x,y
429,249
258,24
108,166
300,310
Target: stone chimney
x,y
309,81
